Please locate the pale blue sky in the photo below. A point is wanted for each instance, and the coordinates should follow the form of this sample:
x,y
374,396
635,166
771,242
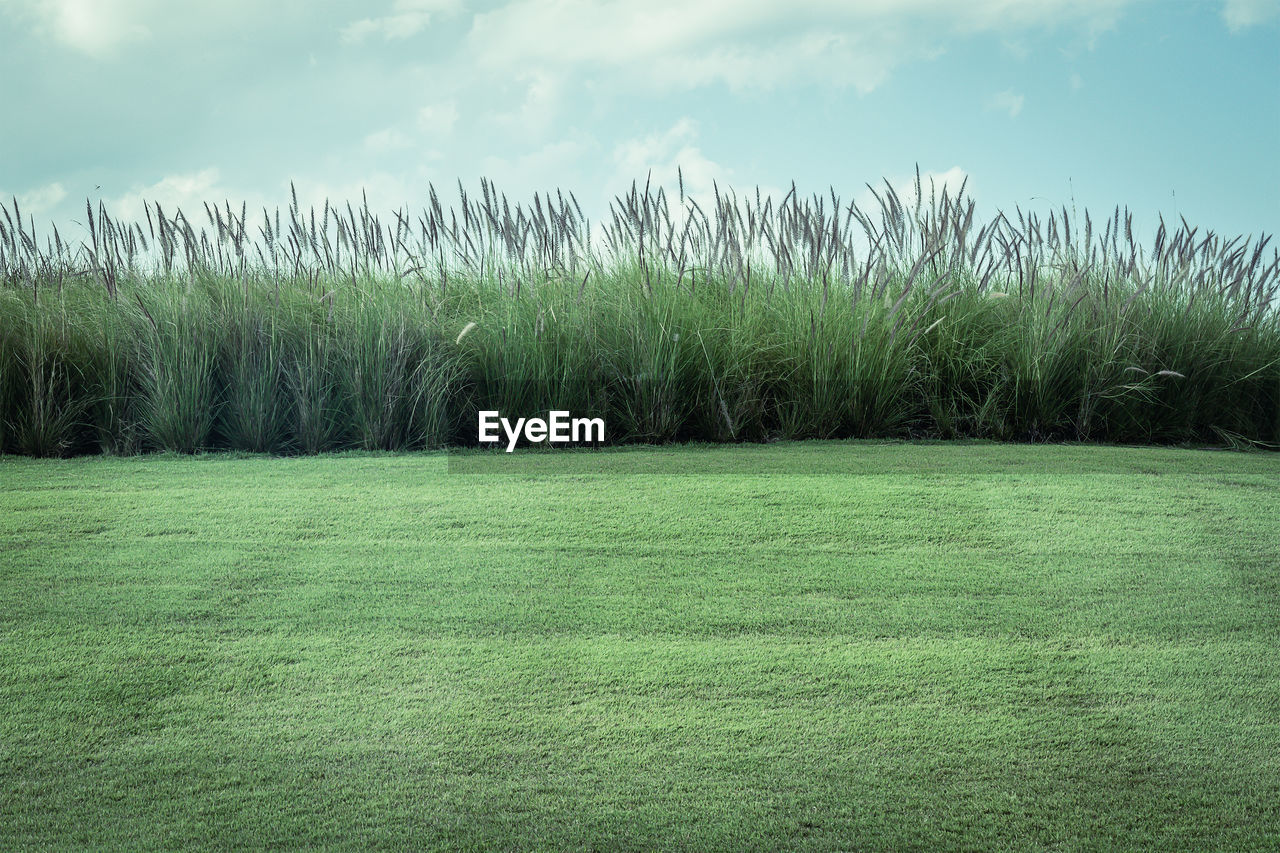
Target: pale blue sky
x,y
1168,106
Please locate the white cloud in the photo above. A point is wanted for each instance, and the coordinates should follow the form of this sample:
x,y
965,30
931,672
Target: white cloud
x,y
38,202
534,114
102,29
1007,101
438,119
94,27
1017,48
433,123
385,190
1240,14
1076,82
523,174
186,191
755,44
386,140
932,184
407,18
666,156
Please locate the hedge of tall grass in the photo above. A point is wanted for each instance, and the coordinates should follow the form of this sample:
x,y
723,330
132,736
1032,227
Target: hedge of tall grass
x,y
758,320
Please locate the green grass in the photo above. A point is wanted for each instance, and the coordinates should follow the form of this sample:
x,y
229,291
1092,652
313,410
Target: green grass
x,y
816,646
779,320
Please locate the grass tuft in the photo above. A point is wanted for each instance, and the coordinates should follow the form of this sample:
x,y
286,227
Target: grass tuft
x,y
733,321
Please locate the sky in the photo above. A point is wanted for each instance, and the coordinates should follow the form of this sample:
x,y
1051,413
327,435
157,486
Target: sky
x,y
1169,107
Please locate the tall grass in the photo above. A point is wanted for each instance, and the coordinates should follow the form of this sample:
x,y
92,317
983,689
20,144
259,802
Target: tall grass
x,y
724,320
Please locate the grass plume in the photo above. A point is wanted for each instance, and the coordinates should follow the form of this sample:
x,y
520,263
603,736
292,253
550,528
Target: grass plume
x,y
720,319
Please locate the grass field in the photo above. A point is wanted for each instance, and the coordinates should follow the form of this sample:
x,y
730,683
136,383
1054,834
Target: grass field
x,y
818,645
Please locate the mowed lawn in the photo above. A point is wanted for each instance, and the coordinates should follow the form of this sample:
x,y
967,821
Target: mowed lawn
x,y
818,645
